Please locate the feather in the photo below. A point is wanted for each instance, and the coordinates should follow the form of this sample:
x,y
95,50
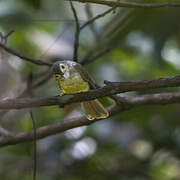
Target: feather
x,y
94,110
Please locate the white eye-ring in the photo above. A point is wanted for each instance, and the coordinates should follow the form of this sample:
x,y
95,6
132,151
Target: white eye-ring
x,y
62,67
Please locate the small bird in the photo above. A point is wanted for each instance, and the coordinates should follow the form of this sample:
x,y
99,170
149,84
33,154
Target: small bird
x,y
72,78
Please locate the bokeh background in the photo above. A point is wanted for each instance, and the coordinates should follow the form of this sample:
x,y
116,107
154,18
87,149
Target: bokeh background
x,y
139,144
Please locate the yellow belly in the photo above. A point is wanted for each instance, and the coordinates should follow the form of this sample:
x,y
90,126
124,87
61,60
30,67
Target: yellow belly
x,y
73,86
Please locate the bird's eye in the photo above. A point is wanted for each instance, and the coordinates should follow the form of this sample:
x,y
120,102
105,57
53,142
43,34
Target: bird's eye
x,y
62,68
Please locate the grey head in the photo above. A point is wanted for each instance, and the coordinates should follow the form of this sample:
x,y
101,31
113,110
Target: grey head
x,y
63,67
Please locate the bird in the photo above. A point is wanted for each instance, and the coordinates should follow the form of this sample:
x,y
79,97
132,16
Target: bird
x,y
73,78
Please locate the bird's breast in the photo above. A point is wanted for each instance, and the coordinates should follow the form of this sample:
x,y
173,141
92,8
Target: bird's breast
x,y
74,84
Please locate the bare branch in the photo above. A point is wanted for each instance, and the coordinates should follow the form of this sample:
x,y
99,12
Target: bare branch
x,y
45,131
35,150
90,21
8,34
111,88
38,84
92,25
111,33
77,33
15,53
152,99
88,59
129,102
131,4
44,80
118,25
4,37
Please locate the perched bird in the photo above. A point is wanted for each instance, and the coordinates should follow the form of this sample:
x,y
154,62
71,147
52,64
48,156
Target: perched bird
x,y
72,78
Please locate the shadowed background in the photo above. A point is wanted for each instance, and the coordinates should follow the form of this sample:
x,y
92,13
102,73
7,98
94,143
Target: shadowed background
x,y
138,144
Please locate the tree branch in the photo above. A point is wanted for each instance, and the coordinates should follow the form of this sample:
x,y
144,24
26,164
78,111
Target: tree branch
x,y
92,25
110,89
87,59
15,53
45,131
131,4
129,102
35,146
90,21
77,33
112,33
4,37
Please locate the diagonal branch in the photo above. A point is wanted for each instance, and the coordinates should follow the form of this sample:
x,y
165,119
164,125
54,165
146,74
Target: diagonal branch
x,y
4,37
111,88
8,34
87,59
92,25
129,102
131,4
45,131
77,33
15,53
38,84
79,28
35,145
111,33
90,21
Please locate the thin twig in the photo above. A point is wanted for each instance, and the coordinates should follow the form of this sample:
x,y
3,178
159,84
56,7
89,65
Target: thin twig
x,y
8,34
77,33
90,21
38,84
44,80
15,53
35,149
92,26
87,59
131,4
44,53
29,84
119,23
29,91
112,33
4,37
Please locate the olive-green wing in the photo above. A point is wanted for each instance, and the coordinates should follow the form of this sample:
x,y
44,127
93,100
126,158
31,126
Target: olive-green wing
x,y
86,77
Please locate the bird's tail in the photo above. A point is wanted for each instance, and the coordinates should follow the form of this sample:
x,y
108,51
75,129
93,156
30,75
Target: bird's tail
x,y
94,110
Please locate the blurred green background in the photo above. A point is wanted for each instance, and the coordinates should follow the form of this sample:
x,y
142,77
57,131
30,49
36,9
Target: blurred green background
x,y
139,144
